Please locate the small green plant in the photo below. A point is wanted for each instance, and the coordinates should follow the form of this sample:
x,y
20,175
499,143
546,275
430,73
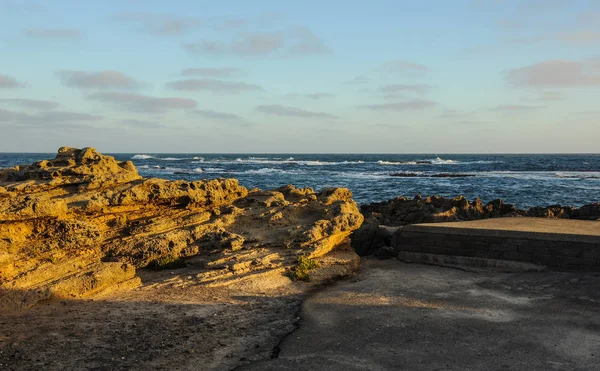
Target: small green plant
x,y
303,266
167,262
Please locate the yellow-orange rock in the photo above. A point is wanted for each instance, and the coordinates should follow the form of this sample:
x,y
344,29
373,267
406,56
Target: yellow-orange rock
x,y
82,222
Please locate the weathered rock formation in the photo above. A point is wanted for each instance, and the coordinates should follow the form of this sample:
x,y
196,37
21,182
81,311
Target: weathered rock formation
x,y
382,218
83,222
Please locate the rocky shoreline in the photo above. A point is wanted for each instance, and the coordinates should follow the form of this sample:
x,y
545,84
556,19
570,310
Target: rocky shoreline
x,y
82,232
382,218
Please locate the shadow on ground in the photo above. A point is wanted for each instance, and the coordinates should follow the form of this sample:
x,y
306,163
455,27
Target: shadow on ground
x,y
397,316
191,328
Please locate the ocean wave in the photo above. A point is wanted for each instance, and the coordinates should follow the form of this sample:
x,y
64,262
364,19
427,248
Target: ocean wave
x,y
578,175
142,157
270,170
163,169
432,175
526,175
289,161
149,157
439,161
381,162
214,170
436,161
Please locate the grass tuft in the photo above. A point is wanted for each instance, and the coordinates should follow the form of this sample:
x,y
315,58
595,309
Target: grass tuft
x,y
303,266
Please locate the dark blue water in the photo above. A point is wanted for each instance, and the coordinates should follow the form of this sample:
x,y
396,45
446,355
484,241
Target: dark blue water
x,y
524,180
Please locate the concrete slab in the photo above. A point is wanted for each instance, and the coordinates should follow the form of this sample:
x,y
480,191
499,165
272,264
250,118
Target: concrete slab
x,y
397,316
532,228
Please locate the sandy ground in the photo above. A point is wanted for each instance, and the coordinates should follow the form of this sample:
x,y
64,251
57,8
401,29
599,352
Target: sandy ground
x,y
170,323
396,316
390,316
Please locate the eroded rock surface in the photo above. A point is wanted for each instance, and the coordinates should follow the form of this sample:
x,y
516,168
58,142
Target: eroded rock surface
x,y
82,224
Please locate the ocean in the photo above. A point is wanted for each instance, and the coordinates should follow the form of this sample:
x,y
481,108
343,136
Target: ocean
x,y
523,180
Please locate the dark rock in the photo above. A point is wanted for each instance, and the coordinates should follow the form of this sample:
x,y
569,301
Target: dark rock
x,y
385,252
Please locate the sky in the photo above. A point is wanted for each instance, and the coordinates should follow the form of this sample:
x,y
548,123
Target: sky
x,y
378,76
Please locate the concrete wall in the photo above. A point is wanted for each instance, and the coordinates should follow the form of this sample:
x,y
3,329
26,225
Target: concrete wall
x,y
554,251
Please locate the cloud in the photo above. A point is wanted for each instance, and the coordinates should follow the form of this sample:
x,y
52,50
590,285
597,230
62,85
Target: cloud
x,y
68,116
405,88
514,108
417,104
49,118
54,33
31,103
405,68
160,24
9,82
222,72
314,96
580,37
144,124
212,85
143,103
263,20
296,42
279,110
319,95
222,117
97,80
556,74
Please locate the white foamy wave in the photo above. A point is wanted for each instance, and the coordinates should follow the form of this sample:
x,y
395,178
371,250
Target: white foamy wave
x,y
148,157
381,162
198,170
578,175
439,161
214,170
542,175
142,157
270,170
240,160
435,161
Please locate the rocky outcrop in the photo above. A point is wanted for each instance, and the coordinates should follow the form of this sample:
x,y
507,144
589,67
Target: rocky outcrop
x,y
383,218
82,223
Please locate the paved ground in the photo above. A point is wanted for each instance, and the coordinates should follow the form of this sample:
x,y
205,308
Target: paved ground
x,y
559,229
396,316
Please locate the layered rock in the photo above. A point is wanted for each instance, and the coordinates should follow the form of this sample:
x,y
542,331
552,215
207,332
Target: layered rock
x,y
83,222
383,218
